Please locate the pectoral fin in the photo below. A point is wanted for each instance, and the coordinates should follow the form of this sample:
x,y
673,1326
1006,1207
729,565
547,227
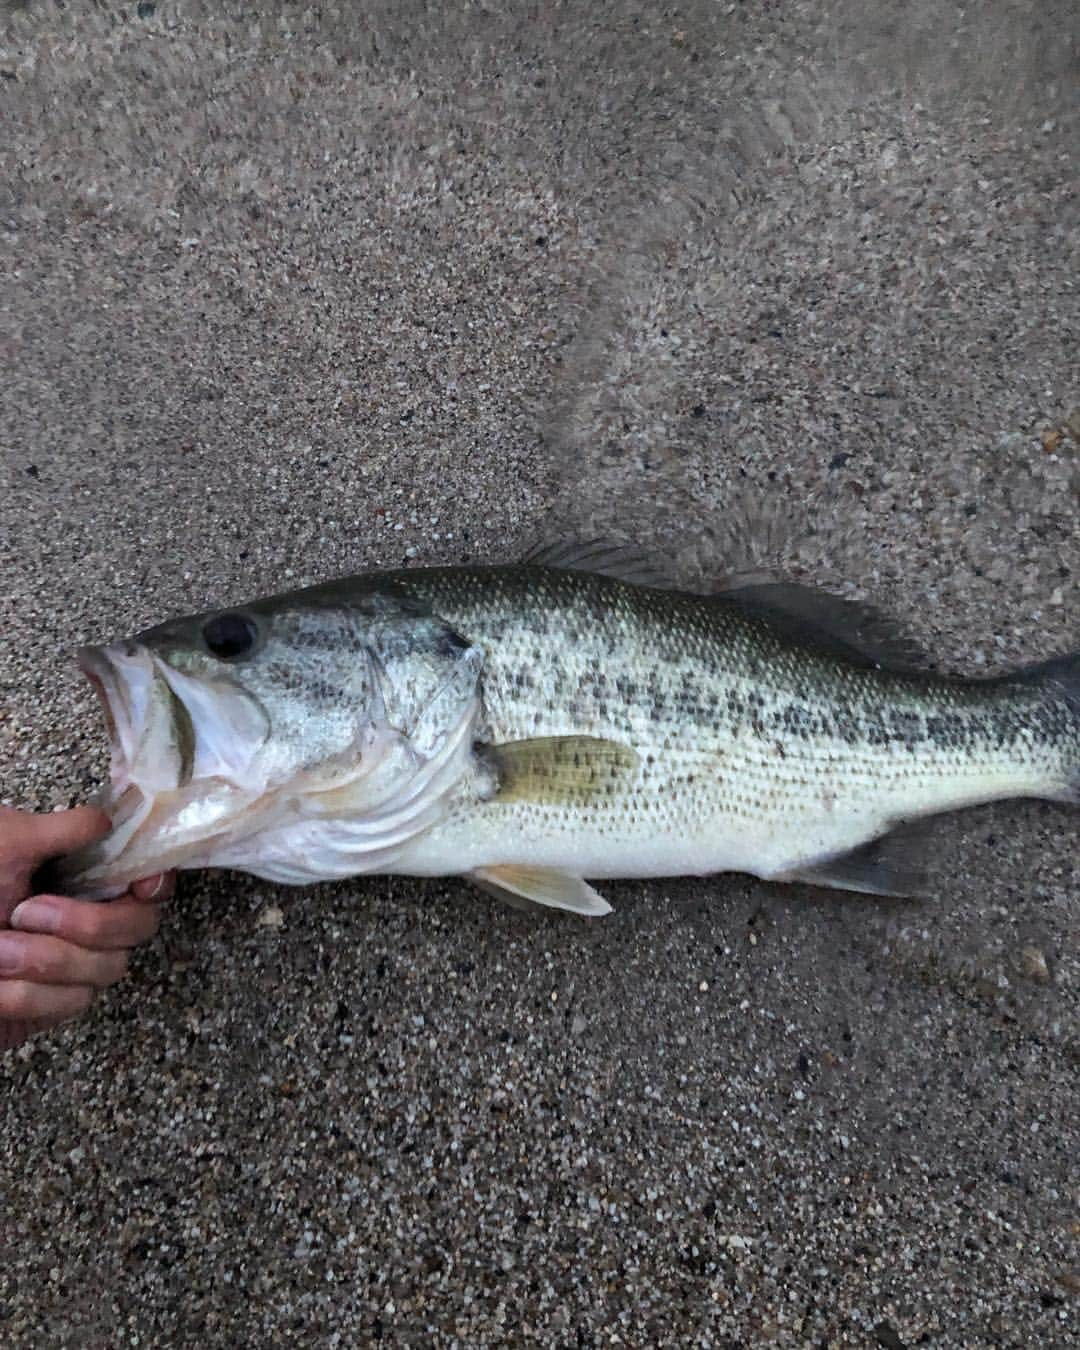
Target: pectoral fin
x,y
541,886
560,768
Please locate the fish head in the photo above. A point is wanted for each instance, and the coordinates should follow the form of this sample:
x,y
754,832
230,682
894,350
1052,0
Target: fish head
x,y
257,693
227,724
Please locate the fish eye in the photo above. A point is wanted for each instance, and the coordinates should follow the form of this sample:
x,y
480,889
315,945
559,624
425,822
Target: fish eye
x,y
228,636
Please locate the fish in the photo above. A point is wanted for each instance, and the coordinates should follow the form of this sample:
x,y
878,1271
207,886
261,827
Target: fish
x,y
540,725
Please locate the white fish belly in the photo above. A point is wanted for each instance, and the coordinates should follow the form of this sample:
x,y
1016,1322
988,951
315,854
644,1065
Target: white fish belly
x,y
764,818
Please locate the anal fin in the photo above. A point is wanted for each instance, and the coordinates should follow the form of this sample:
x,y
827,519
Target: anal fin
x,y
893,864
542,886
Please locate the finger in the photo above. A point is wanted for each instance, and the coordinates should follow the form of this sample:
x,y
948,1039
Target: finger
x,y
159,888
21,1029
54,832
24,1000
51,960
100,927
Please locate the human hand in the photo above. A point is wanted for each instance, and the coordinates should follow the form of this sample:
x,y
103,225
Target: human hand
x,y
59,951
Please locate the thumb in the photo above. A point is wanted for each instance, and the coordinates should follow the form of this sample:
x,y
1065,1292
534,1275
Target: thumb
x,y
59,832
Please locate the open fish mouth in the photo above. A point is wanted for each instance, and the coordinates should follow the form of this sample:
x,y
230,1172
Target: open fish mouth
x,y
167,728
171,787
102,690
151,750
151,737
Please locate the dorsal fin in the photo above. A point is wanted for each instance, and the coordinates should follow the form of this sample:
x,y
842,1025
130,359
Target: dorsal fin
x,y
847,628
624,562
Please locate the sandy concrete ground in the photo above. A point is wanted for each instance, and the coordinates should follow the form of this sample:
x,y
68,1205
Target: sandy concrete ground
x,y
283,300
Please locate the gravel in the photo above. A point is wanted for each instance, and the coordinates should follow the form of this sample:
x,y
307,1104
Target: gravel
x,y
290,296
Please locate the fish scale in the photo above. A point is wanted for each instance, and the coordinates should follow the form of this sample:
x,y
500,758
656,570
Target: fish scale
x,y
734,723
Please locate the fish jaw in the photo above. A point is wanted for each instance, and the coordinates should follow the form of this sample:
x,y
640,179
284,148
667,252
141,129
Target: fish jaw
x,y
160,816
155,834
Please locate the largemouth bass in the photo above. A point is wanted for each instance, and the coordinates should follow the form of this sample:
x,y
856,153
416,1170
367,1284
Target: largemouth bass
x,y
535,725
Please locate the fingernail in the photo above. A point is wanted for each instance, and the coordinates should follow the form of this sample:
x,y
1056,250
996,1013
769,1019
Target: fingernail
x,y
11,954
39,915
158,888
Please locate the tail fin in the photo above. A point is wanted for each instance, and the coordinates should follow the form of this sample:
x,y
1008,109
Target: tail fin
x,y
1058,682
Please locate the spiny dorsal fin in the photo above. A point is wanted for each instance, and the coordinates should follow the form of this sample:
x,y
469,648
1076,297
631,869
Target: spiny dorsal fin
x,y
624,562
560,768
542,886
848,628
